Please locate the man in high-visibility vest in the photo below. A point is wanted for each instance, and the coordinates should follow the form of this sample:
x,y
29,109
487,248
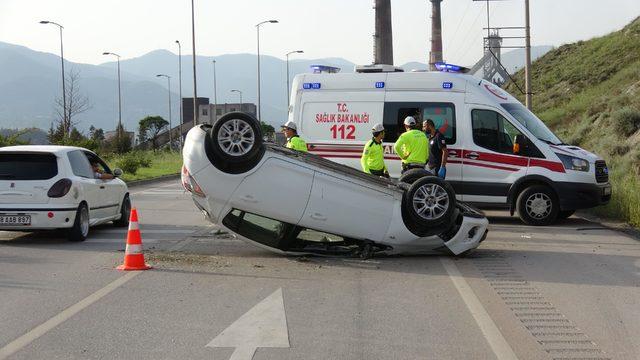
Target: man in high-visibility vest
x,y
372,159
294,141
412,146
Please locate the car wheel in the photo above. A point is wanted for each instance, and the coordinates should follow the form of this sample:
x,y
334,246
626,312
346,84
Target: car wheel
x,y
538,205
125,209
412,175
428,205
234,144
565,214
80,229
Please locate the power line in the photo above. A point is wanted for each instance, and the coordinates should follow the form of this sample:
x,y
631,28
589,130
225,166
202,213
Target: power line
x,y
470,32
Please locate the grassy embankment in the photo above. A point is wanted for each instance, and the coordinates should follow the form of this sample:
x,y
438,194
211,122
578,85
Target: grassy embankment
x,y
141,165
589,94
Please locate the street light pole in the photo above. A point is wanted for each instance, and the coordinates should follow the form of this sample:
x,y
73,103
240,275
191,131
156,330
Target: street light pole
x,y
215,94
64,92
195,88
239,92
527,66
169,91
289,53
119,92
180,88
258,34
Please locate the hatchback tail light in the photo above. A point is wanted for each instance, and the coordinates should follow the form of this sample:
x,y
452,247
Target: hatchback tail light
x,y
190,184
60,188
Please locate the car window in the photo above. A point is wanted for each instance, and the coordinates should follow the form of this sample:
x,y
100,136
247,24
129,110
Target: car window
x,y
442,114
101,164
80,164
492,131
25,166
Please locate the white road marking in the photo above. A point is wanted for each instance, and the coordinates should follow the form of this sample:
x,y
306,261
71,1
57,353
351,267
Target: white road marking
x,y
38,331
492,334
265,325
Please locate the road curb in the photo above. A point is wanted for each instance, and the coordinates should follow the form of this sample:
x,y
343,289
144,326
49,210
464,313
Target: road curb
x,y
137,183
619,226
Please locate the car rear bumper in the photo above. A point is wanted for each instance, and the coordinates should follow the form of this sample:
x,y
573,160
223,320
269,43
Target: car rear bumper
x,y
42,218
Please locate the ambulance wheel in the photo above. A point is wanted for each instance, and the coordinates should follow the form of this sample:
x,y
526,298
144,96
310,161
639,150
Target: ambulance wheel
x,y
234,144
429,204
538,205
412,175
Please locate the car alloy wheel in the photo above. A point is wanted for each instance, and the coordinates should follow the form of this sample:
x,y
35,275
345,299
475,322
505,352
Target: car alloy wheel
x,y
236,137
538,205
84,221
431,201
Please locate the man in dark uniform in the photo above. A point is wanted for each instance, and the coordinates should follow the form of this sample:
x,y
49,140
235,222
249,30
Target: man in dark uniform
x,y
437,149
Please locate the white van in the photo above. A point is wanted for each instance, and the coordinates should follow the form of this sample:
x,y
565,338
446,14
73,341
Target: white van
x,y
500,154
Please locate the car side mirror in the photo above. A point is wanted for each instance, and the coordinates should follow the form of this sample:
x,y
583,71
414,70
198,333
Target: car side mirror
x,y
117,172
520,145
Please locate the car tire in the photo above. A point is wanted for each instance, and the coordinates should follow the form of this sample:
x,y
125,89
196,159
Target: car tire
x,y
125,209
428,206
235,143
80,229
412,175
538,205
565,214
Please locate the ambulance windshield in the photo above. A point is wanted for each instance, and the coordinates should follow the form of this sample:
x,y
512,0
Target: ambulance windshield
x,y
531,122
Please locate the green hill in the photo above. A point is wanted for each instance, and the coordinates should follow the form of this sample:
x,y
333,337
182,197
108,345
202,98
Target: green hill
x,y
589,94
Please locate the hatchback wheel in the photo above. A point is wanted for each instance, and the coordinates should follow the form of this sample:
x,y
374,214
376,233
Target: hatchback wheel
x,y
125,209
80,229
538,205
235,142
428,205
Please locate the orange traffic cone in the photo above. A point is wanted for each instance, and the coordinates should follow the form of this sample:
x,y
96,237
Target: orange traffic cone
x,y
133,257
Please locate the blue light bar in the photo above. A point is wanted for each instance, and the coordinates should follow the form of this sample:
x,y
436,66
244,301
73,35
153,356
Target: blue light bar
x,y
447,85
318,69
451,68
380,85
309,86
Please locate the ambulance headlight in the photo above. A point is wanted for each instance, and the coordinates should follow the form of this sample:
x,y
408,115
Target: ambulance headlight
x,y
573,163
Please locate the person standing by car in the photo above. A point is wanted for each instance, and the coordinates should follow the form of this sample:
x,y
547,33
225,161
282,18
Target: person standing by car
x,y
294,141
412,146
372,159
437,149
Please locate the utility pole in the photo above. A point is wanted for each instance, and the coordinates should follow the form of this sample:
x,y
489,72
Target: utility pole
x,y
527,67
215,95
169,92
180,88
258,56
436,35
195,87
65,123
383,38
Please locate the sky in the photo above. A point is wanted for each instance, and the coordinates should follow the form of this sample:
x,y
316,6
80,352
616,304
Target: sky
x,y
321,28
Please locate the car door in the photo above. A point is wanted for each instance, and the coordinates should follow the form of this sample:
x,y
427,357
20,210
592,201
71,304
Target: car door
x,y
110,190
90,187
489,164
342,206
279,189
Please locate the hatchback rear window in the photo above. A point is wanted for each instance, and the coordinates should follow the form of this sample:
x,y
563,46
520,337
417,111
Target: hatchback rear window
x,y
17,166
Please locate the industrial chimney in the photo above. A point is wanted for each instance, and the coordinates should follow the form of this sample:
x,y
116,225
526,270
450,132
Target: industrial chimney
x,y
383,40
436,35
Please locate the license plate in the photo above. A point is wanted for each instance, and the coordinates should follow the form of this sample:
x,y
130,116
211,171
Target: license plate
x,y
606,191
16,220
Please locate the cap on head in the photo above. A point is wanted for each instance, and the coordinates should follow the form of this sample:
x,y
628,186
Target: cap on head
x,y
410,121
290,125
377,128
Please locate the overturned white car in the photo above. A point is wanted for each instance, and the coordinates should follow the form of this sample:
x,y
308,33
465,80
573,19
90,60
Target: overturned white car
x,y
298,203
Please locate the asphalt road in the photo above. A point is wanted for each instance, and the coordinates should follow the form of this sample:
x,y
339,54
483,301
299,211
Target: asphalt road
x,y
571,291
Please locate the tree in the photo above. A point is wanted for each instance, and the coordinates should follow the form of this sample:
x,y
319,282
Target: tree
x,y
267,130
74,104
150,127
96,135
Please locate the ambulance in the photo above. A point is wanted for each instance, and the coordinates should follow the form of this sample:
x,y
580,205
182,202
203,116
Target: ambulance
x,y
500,155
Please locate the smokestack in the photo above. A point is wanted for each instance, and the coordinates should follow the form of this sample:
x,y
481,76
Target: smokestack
x,y
436,35
383,40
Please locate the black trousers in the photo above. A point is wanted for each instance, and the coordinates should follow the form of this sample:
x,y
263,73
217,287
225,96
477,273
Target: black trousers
x,y
407,167
378,173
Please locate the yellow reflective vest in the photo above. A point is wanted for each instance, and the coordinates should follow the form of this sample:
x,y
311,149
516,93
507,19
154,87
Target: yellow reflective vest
x,y
412,147
372,157
296,143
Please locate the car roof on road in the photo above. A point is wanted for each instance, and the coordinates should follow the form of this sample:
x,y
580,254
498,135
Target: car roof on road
x,y
56,149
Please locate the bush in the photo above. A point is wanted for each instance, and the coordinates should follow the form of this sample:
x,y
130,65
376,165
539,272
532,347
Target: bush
x,y
626,121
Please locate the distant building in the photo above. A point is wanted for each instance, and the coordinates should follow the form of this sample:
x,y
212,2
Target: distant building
x,y
108,135
210,112
187,108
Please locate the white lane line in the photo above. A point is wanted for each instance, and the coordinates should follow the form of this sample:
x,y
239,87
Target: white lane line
x,y
24,340
492,334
